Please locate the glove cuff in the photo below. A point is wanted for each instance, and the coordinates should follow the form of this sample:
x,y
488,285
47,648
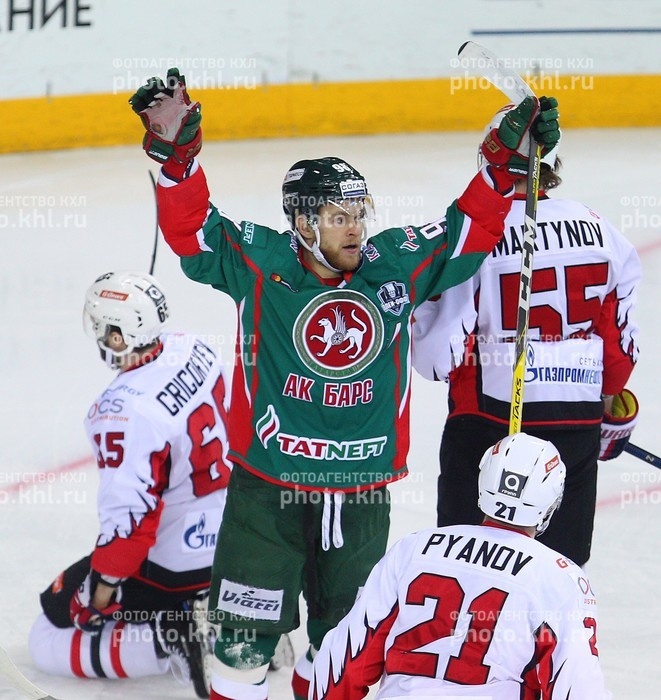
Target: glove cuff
x,y
499,179
624,408
494,150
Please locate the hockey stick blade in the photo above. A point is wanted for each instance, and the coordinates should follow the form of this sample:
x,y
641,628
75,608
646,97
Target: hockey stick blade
x,y
643,454
10,672
478,60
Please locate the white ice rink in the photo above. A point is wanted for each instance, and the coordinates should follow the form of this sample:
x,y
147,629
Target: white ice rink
x,y
66,217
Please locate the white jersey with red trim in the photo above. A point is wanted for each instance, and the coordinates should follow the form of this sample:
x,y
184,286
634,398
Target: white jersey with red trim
x,y
582,336
466,611
159,434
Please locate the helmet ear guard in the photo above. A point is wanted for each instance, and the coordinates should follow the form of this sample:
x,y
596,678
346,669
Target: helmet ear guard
x,y
521,481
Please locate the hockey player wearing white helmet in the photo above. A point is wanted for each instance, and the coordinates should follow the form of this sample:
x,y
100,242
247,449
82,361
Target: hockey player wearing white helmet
x,y
135,606
125,313
479,611
582,348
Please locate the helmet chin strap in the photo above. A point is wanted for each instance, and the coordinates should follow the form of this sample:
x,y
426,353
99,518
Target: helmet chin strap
x,y
112,358
314,248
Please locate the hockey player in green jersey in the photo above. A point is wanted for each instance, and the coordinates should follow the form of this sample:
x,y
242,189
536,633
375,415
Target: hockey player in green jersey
x,y
320,416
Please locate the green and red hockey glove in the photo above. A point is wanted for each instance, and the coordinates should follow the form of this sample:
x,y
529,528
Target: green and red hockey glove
x,y
506,148
172,122
618,424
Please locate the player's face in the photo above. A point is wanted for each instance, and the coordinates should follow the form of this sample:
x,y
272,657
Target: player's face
x,y
342,229
115,341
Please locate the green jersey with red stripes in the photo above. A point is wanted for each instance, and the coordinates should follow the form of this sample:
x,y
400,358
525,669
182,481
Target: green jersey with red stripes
x,y
321,386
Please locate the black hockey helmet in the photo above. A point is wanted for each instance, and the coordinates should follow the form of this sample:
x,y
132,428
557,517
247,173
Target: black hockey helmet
x,y
309,184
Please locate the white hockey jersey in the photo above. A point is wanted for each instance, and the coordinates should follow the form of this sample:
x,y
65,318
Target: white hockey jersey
x,y
582,336
159,434
468,611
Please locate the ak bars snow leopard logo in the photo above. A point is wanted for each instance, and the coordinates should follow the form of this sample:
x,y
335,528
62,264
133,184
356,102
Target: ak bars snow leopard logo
x,y
393,297
338,334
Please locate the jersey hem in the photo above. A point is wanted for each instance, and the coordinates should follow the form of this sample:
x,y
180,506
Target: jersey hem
x,y
308,487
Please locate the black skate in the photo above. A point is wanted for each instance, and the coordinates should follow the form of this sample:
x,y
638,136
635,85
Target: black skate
x,y
187,644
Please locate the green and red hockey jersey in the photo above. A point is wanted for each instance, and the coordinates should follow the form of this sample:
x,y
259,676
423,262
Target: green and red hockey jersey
x,y
321,386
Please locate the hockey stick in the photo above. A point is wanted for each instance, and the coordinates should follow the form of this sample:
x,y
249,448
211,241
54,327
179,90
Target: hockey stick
x,y
10,672
643,454
516,89
525,280
153,254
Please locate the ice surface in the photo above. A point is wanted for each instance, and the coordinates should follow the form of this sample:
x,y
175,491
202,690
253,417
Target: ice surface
x,y
96,214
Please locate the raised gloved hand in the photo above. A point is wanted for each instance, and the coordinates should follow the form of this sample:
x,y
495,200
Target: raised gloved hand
x,y
618,424
172,122
546,128
506,148
83,614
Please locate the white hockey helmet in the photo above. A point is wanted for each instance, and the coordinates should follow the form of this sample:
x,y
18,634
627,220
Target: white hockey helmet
x,y
129,301
549,158
521,481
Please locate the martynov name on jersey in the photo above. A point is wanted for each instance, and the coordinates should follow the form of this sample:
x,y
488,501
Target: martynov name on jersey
x,y
552,235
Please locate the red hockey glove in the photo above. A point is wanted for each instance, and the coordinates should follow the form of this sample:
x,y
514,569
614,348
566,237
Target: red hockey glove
x,y
172,121
83,614
506,148
617,426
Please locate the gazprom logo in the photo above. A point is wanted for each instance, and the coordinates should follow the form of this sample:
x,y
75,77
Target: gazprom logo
x,y
196,538
530,355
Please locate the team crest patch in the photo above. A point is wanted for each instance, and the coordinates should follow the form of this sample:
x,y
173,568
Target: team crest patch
x,y
338,334
393,297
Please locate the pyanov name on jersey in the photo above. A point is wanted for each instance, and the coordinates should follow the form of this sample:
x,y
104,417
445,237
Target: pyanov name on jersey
x,y
478,551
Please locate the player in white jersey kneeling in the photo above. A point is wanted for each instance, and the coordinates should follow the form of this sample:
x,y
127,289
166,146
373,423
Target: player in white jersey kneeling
x,y
474,610
136,605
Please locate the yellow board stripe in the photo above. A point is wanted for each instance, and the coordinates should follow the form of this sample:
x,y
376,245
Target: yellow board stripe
x,y
277,111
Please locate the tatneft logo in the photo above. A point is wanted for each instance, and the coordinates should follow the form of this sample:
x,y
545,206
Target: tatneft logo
x,y
255,603
511,484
